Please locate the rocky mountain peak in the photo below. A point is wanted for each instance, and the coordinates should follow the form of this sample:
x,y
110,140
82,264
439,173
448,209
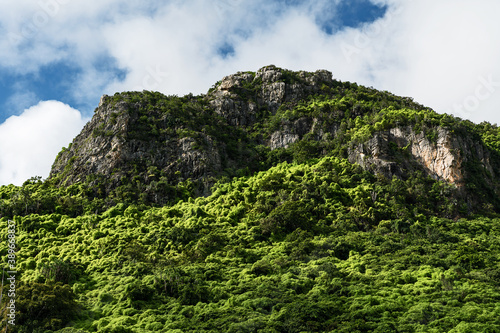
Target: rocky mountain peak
x,y
249,121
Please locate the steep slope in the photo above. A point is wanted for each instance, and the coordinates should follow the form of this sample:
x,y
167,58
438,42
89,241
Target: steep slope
x,y
278,202
172,139
149,143
282,251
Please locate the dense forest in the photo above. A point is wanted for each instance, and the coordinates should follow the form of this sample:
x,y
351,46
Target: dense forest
x,y
295,238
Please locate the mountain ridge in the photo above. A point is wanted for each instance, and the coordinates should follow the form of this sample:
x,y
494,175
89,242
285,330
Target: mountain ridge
x,y
278,202
249,121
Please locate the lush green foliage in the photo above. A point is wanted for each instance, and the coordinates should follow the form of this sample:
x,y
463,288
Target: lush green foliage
x,y
315,247
44,306
293,239
344,114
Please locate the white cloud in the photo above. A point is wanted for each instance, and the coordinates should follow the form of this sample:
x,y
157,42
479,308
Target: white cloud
x,y
443,53
439,52
30,142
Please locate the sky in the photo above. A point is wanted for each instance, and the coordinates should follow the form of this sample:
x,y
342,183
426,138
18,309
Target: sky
x,y
58,57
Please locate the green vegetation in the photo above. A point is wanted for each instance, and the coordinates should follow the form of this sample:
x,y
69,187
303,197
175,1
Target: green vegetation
x,y
317,247
343,114
293,239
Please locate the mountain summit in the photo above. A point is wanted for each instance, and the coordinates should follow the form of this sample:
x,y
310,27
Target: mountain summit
x,y
146,144
279,201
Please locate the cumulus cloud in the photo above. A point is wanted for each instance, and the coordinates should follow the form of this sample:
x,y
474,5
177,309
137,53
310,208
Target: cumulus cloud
x,y
30,142
439,52
443,53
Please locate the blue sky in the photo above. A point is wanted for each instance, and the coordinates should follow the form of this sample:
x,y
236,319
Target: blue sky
x,y
54,81
59,56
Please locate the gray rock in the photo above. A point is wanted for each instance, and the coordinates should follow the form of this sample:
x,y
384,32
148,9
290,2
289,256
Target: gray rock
x,y
442,160
108,146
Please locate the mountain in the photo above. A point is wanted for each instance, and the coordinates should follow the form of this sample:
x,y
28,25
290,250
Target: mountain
x,y
250,121
279,201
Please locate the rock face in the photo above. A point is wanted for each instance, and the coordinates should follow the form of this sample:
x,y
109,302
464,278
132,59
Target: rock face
x,y
443,159
271,88
108,145
102,154
291,133
150,139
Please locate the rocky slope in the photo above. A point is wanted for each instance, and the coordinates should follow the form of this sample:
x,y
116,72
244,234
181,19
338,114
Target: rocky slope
x,y
442,160
150,143
108,144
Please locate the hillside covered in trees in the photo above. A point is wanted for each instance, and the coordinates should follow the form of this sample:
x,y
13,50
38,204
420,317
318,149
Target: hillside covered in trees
x,y
279,201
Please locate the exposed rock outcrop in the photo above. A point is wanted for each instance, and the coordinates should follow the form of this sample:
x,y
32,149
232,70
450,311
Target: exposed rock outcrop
x,y
290,133
443,159
270,87
150,138
108,146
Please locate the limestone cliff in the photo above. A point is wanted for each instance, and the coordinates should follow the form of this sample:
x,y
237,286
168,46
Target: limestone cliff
x,y
443,159
118,142
248,121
